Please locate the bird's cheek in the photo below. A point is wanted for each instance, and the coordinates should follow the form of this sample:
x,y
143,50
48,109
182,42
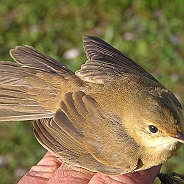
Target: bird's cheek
x,y
139,136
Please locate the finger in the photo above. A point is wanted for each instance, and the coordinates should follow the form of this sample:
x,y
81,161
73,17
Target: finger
x,y
68,175
43,171
141,177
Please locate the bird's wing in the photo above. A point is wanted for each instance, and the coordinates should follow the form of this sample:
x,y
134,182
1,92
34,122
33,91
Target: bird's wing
x,y
52,137
28,56
29,89
103,137
105,62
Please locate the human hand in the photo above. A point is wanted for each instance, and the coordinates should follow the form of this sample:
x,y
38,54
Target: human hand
x,y
50,170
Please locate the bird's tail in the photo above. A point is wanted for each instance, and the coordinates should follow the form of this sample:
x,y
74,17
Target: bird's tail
x,y
32,87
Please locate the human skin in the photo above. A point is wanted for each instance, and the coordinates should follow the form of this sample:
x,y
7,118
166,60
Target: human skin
x,y
50,170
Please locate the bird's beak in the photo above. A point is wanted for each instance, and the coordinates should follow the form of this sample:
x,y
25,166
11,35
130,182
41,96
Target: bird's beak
x,y
180,137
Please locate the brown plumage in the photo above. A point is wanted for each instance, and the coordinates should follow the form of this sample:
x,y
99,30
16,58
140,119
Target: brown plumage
x,y
111,116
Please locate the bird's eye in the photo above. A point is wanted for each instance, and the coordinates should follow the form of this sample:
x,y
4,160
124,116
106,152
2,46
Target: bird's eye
x,y
153,129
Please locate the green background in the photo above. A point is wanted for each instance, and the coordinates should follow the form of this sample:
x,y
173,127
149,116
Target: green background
x,y
150,32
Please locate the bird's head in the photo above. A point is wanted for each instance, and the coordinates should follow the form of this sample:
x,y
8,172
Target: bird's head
x,y
159,121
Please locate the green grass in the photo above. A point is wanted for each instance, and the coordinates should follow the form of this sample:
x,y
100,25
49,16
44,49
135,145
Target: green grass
x,y
150,32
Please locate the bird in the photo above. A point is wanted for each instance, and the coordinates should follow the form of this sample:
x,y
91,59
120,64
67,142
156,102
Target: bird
x,y
110,116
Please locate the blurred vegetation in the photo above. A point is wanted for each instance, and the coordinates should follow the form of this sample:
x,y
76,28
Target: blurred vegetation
x,y
150,32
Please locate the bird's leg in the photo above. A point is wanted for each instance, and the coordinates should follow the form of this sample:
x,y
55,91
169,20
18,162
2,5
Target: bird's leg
x,y
172,178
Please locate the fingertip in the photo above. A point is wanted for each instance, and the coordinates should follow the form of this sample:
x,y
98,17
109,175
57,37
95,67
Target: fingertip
x,y
49,159
27,179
